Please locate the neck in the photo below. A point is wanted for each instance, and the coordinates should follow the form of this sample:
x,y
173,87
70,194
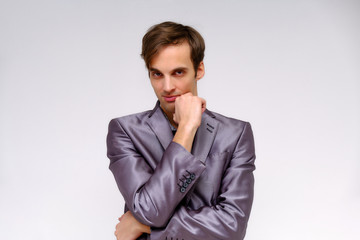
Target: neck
x,y
171,119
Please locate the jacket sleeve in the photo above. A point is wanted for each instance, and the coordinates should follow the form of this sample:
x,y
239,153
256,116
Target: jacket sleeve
x,y
228,218
143,188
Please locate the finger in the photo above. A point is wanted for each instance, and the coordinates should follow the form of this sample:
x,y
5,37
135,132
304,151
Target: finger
x,y
203,108
203,105
203,101
117,226
174,118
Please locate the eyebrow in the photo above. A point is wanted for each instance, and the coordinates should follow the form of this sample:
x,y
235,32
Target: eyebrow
x,y
180,68
154,70
173,70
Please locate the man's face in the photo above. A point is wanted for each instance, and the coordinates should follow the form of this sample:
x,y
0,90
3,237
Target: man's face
x,y
172,74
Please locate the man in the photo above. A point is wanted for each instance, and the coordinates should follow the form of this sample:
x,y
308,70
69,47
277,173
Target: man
x,y
184,172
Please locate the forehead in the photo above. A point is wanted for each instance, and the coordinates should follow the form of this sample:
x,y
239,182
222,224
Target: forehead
x,y
172,56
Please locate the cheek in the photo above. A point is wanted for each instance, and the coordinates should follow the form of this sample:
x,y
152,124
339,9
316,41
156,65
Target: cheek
x,y
189,84
156,86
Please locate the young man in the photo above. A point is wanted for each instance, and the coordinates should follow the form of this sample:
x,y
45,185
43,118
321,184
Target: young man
x,y
184,172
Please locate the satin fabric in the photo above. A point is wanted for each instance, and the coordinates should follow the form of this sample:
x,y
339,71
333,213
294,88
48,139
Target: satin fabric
x,y
150,170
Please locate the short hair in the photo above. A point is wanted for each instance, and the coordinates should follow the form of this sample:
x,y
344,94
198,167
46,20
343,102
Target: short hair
x,y
171,33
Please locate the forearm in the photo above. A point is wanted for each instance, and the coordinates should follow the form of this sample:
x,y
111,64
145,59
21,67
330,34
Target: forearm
x,y
144,228
185,136
188,111
226,220
153,197
228,217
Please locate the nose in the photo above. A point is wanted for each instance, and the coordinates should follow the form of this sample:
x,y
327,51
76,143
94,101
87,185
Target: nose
x,y
168,84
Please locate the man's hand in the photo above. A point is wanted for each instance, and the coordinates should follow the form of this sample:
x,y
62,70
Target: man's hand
x,y
129,228
188,111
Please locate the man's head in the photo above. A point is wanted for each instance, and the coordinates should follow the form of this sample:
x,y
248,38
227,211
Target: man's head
x,y
170,33
173,54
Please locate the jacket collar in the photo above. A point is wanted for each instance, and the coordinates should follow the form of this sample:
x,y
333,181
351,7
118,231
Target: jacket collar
x,y
160,126
204,137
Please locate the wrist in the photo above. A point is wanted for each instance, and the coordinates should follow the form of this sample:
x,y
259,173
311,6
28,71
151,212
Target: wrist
x,y
185,136
142,228
187,128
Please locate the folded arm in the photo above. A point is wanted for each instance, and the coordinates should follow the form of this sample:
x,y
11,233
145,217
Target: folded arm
x,y
143,188
228,218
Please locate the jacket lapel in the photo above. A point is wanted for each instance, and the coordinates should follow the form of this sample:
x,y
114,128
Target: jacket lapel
x,y
205,136
160,126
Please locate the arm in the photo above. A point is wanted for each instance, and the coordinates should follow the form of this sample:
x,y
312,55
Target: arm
x,y
228,218
188,117
144,189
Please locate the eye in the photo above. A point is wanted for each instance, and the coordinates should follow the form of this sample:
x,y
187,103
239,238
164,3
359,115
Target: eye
x,y
179,72
156,74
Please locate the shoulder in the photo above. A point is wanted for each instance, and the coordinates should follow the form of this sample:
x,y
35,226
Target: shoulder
x,y
131,120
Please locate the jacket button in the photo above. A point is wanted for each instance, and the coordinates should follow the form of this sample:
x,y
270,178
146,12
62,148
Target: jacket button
x,y
182,189
185,185
188,180
192,176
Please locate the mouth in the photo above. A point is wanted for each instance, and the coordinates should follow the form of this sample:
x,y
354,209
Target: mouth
x,y
170,98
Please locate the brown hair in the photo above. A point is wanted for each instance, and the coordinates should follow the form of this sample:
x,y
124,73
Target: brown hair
x,y
168,33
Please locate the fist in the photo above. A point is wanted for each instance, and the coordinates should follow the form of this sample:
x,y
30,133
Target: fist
x,y
188,110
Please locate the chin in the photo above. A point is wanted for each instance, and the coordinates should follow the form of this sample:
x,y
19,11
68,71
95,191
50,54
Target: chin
x,y
170,110
168,107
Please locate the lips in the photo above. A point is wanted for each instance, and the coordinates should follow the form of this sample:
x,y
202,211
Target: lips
x,y
170,98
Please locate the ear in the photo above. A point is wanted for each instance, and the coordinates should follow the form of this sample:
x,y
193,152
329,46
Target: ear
x,y
200,71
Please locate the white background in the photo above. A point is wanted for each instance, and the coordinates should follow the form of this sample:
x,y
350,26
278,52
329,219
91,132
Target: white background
x,y
291,68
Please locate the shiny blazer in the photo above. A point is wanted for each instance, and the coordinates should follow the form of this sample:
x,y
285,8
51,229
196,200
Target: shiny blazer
x,y
205,194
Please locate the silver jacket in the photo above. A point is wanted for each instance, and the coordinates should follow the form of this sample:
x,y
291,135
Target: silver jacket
x,y
205,194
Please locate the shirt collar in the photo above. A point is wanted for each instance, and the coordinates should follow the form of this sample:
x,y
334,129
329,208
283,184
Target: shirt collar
x,y
173,129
